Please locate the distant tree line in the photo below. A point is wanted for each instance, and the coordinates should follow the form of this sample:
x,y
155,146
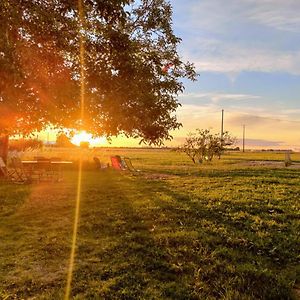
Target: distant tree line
x,y
24,144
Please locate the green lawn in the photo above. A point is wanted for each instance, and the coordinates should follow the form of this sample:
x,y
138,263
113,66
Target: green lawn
x,y
175,231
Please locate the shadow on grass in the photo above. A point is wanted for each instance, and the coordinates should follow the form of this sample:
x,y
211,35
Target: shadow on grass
x,y
147,240
248,242
211,170
11,197
118,258
35,240
154,239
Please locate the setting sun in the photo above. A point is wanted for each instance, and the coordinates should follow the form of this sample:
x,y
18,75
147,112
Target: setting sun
x,y
83,136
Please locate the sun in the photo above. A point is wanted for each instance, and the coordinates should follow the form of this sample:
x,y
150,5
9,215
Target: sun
x,y
83,136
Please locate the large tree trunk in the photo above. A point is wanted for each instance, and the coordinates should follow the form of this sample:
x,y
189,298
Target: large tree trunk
x,y
4,147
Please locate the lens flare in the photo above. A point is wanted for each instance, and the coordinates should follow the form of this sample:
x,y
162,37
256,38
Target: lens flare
x,y
75,229
83,136
79,182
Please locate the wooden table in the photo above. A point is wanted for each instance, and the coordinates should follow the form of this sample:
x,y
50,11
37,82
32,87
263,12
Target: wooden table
x,y
46,168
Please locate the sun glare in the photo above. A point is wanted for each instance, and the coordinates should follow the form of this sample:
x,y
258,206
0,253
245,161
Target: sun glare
x,y
83,136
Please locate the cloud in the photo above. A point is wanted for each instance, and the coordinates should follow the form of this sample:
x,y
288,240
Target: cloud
x,y
249,120
264,118
214,16
281,15
216,97
294,111
260,143
232,59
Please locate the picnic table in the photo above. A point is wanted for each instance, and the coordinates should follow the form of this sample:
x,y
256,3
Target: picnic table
x,y
46,168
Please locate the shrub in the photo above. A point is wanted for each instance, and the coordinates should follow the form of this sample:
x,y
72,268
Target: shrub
x,y
203,145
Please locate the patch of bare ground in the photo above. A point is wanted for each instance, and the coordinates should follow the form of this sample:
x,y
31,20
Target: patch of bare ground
x,y
271,164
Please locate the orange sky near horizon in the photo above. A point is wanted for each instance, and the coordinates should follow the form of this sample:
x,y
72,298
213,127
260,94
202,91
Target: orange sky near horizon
x,y
261,132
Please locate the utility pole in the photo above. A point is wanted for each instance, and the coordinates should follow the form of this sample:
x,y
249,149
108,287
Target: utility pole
x,y
244,128
222,126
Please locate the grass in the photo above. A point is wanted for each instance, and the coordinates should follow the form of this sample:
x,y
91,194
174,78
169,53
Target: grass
x,y
176,231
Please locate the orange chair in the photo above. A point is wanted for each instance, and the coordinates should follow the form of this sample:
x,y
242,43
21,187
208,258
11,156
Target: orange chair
x,y
116,163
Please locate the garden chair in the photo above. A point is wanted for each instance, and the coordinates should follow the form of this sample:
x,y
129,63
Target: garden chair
x,y
20,174
98,164
129,165
4,172
10,174
122,162
116,163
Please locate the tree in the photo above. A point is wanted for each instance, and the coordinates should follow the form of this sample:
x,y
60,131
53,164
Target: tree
x,y
112,53
203,145
84,145
24,144
62,140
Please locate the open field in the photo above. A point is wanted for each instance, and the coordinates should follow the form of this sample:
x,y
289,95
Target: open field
x,y
224,230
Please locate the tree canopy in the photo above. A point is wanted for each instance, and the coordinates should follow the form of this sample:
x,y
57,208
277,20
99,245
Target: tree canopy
x,y
127,46
62,140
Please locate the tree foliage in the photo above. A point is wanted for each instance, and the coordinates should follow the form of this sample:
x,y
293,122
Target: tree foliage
x,y
127,44
24,144
203,145
62,140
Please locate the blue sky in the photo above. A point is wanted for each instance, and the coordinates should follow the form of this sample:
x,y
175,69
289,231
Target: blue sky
x,y
247,53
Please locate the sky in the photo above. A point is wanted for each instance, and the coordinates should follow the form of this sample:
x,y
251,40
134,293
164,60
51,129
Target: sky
x,y
247,55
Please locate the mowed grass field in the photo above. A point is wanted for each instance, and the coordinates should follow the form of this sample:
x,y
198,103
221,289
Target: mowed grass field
x,y
175,230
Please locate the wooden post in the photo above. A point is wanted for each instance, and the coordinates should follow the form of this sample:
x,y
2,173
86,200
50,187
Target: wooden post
x,y
222,126
244,126
287,159
4,147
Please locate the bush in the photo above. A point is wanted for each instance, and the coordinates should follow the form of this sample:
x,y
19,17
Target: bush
x,y
203,145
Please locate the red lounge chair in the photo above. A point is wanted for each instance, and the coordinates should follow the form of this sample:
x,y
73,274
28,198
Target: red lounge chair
x,y
116,163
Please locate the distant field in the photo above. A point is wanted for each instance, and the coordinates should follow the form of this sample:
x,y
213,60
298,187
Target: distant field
x,y
156,157
223,230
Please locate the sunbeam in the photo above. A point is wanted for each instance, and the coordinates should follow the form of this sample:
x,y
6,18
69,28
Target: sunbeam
x,y
75,229
79,182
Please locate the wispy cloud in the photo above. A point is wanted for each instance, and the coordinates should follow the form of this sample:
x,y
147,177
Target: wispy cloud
x,y
282,15
260,143
217,16
266,118
218,97
231,58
